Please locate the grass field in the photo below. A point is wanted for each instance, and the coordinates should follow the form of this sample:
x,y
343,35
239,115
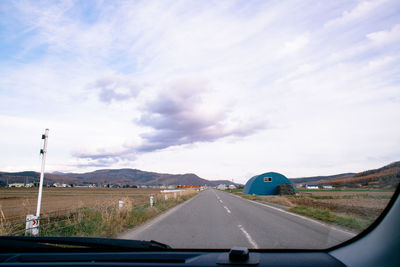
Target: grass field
x,y
84,211
353,209
16,203
345,190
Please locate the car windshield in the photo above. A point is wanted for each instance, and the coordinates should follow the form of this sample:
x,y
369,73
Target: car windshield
x,y
198,124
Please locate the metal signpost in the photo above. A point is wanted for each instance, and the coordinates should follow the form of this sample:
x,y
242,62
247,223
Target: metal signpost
x,y
32,221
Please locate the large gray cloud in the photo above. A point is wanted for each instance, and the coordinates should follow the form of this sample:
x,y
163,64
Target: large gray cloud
x,y
178,115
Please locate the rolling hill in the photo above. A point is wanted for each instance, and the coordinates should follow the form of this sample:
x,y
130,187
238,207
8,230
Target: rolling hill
x,y
385,177
111,176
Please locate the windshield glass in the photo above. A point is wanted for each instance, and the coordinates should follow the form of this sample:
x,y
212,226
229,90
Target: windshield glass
x,y
199,124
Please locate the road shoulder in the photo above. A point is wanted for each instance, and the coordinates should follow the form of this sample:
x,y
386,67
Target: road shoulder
x,y
131,233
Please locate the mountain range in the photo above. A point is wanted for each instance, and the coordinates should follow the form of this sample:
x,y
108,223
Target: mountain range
x,y
112,176
385,177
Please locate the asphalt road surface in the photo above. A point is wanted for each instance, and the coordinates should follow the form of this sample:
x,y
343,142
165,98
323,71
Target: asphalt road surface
x,y
216,219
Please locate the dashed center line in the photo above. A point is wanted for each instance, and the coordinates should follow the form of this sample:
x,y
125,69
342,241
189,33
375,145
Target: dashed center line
x,y
247,235
227,210
221,201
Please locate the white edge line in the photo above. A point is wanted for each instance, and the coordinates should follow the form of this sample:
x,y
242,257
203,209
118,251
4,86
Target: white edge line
x,y
300,216
248,236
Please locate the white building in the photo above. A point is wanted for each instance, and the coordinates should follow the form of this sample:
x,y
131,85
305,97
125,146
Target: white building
x,y
16,185
312,186
232,186
222,187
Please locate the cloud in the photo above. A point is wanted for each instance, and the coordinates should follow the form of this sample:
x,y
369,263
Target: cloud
x,y
102,158
385,36
97,161
298,43
362,9
115,88
180,115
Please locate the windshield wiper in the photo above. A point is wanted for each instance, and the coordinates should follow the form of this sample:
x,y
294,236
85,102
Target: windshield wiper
x,y
28,242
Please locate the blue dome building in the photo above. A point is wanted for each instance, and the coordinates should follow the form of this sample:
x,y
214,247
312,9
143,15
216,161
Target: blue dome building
x,y
265,184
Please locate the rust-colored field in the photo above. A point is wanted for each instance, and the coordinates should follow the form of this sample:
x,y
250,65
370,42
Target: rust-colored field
x,y
362,204
16,203
345,193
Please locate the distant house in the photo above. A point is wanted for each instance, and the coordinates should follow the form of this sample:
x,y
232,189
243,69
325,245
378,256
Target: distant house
x,y
327,187
16,185
232,186
299,185
312,186
222,187
60,185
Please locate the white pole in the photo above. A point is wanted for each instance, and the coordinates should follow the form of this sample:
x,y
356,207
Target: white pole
x,y
43,152
151,201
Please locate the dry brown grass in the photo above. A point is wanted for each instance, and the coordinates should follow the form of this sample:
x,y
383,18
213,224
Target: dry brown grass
x,y
16,203
105,220
282,200
362,206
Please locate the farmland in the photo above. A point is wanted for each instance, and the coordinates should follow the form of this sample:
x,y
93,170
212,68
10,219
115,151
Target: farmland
x,y
70,205
353,209
16,203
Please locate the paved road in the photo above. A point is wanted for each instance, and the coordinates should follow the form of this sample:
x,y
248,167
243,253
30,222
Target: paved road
x,y
215,219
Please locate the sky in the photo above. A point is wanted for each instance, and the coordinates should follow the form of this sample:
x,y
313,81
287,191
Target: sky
x,y
222,89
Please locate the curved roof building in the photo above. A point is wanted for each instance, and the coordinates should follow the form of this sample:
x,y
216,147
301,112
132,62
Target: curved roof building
x,y
266,184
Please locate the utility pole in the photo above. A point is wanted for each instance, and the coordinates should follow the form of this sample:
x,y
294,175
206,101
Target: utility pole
x,y
43,152
32,221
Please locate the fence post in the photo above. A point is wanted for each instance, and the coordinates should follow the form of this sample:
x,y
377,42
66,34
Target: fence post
x,y
151,201
120,204
32,225
166,196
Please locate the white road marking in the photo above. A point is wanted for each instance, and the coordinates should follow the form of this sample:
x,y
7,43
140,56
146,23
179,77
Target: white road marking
x,y
227,210
220,201
247,235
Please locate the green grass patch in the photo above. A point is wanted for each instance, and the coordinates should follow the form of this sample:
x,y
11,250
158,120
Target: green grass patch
x,y
234,190
331,217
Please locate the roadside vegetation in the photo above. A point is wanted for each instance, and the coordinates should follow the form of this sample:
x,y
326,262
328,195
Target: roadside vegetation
x,y
105,221
352,209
